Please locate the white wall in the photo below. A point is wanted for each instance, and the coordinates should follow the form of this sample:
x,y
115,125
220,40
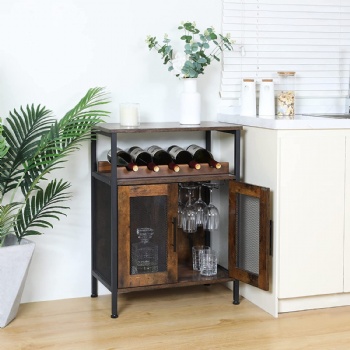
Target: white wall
x,y
51,52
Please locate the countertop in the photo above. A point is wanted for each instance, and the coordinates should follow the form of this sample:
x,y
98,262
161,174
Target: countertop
x,y
300,122
110,128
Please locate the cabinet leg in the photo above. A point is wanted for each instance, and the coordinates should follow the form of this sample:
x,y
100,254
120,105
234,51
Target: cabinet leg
x,y
114,305
94,292
236,292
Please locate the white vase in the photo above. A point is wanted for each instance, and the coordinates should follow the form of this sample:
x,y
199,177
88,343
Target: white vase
x,y
190,102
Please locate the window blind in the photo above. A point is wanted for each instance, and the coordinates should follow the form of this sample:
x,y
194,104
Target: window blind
x,y
311,38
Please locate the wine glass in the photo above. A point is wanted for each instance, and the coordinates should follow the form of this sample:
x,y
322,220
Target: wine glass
x,y
180,208
211,212
181,203
189,223
199,206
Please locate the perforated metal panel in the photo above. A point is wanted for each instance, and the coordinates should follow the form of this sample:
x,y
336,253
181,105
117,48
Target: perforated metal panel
x,y
150,212
102,238
248,223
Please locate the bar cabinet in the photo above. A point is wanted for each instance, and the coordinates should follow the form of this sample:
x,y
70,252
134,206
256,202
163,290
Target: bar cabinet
x,y
122,202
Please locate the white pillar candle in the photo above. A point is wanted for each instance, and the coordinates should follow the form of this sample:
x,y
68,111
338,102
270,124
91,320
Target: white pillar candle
x,y
129,114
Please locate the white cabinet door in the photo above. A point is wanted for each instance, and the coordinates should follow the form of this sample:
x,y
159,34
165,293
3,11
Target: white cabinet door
x,y
311,207
347,220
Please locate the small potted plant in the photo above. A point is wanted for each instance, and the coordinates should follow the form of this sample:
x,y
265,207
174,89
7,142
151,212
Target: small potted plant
x,y
200,49
191,62
32,145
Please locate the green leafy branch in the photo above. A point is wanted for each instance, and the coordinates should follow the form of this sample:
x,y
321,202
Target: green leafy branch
x,y
196,46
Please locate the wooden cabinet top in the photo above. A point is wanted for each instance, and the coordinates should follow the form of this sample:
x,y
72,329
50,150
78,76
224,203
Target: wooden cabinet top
x,y
111,128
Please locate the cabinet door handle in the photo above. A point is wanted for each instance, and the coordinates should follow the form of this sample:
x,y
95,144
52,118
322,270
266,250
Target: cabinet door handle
x,y
174,232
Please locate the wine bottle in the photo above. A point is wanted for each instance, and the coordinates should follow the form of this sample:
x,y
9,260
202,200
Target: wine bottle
x,y
123,159
142,157
181,156
162,157
202,155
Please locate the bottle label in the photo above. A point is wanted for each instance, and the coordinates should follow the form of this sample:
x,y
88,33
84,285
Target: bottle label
x,y
136,152
153,150
193,148
175,151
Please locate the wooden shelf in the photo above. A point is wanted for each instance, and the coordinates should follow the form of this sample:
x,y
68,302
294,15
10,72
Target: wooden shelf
x,y
106,177
187,277
164,171
165,175
111,128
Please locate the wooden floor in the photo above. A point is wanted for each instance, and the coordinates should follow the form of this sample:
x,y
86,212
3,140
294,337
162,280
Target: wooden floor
x,y
200,317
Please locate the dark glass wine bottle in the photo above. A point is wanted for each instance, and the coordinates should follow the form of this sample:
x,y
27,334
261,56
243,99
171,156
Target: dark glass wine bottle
x,y
123,159
181,156
202,155
142,157
162,157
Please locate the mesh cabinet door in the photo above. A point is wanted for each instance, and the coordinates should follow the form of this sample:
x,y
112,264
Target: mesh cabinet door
x,y
146,229
249,234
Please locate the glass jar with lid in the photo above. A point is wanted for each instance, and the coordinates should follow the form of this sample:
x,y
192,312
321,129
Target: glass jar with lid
x,y
286,95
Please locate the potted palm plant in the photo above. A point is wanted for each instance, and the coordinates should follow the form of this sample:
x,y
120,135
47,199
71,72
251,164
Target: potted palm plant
x,y
32,145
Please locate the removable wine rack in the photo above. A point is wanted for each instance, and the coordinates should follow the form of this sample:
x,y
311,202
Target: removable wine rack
x,y
144,172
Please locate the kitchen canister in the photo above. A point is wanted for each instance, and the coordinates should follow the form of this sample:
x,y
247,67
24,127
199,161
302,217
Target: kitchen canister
x,y
267,99
248,98
286,95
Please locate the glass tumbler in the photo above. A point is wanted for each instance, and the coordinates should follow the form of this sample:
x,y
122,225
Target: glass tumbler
x,y
208,262
196,252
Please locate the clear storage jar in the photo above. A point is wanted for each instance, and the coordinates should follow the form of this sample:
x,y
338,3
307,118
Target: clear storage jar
x,y
286,95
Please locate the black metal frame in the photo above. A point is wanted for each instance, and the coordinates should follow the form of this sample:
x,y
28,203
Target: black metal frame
x,y
114,211
237,173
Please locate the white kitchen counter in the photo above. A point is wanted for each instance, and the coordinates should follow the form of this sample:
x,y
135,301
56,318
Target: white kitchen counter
x,y
305,163
301,122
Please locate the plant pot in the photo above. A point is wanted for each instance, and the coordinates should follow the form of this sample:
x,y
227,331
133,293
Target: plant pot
x,y
14,263
190,102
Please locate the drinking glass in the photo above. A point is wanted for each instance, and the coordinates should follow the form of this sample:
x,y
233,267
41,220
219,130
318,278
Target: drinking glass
x,y
211,212
208,262
180,208
182,200
189,224
196,256
199,206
